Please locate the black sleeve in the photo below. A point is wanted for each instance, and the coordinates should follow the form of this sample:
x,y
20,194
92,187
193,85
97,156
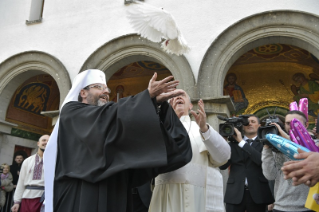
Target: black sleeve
x,y
226,165
178,146
253,153
97,142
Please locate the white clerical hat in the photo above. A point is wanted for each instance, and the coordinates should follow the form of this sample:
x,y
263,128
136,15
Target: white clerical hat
x,y
83,79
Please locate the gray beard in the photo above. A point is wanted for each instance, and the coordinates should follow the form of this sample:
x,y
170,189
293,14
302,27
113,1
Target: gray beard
x,y
100,103
95,100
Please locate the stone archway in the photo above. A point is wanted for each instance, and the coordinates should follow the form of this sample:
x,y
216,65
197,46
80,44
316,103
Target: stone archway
x,y
19,67
14,71
131,48
286,27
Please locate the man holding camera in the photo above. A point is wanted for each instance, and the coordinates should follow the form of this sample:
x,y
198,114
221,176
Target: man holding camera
x,y
287,197
247,188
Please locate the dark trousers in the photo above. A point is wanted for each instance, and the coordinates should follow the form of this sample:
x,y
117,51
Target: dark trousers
x,y
138,205
247,204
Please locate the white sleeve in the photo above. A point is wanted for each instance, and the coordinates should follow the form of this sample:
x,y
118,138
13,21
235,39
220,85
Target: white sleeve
x,y
20,185
217,146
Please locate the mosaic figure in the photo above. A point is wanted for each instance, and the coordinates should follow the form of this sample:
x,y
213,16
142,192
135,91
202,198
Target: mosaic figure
x,y
307,89
236,93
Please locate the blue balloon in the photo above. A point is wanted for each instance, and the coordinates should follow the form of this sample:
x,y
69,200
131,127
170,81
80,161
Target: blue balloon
x,y
285,146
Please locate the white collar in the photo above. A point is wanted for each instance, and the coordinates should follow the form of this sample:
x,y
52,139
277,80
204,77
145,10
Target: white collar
x,y
245,138
185,119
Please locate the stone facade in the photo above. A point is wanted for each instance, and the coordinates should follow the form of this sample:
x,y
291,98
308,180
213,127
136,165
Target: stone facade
x,y
73,37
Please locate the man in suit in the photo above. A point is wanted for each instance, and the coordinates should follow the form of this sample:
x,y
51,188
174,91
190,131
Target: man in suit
x,y
247,188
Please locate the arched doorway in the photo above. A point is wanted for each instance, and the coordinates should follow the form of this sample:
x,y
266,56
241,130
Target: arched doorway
x,y
271,74
30,82
269,28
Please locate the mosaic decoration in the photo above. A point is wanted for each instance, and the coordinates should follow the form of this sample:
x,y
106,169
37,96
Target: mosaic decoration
x,y
140,68
236,94
33,97
152,66
36,94
308,88
275,75
134,78
269,49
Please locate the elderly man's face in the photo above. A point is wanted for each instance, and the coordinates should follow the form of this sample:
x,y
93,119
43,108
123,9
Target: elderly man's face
x,y
181,104
97,94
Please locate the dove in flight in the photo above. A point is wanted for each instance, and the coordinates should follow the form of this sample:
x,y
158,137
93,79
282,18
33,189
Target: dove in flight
x,y
154,24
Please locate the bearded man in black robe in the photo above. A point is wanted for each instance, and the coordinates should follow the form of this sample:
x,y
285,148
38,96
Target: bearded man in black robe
x,y
99,150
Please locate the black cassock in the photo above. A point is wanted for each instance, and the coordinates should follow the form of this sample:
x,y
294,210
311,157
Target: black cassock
x,y
105,151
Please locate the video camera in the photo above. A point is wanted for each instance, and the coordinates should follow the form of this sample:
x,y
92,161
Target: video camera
x,y
227,129
267,129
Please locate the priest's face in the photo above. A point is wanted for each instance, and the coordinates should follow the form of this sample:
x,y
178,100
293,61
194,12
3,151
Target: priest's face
x,y
181,104
97,94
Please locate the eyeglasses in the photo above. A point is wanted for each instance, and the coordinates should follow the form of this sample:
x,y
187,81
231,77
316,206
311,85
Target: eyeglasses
x,y
100,87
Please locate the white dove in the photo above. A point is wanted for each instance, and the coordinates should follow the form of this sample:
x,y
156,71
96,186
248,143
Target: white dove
x,y
156,23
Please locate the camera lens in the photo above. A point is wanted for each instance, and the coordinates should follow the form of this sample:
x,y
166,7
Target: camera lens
x,y
263,131
227,130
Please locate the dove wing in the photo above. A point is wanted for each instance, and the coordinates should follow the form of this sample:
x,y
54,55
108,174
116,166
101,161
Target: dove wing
x,y
152,23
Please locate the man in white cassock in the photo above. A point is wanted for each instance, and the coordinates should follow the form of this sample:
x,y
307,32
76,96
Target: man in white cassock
x,y
198,186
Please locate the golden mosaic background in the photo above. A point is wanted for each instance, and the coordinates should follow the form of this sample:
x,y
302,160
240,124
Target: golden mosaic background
x,y
265,74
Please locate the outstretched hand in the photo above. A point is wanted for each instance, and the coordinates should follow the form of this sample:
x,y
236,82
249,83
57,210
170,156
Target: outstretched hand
x,y
166,96
305,171
200,117
156,88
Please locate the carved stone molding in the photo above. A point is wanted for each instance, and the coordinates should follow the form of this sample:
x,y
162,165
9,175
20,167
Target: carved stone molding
x,y
131,48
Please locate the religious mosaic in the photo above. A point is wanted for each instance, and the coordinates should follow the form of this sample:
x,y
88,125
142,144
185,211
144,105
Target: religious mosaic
x,y
134,78
272,76
36,94
32,97
236,93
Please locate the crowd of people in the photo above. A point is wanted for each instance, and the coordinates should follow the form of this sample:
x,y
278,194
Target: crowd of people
x,y
144,153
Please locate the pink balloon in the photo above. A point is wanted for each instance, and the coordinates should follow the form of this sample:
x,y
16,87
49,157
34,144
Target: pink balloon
x,y
302,136
293,106
303,106
293,138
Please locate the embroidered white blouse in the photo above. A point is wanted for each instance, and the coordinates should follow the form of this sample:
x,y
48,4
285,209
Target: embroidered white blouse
x,y
30,177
